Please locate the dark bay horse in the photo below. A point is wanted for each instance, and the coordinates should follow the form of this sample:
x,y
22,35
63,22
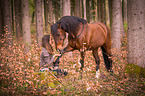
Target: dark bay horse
x,y
83,36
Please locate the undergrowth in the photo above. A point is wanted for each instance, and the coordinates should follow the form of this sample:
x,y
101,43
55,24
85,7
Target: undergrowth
x,y
19,74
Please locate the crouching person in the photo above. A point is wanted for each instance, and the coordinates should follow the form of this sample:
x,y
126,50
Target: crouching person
x,y
47,56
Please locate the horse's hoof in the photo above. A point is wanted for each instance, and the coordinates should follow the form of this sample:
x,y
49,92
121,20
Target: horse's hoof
x,y
97,74
111,72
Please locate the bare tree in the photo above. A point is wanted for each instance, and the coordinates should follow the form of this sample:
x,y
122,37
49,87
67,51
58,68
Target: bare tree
x,y
77,8
1,21
84,4
46,13
50,11
101,11
26,24
124,5
88,8
7,16
39,22
18,20
66,8
117,24
136,32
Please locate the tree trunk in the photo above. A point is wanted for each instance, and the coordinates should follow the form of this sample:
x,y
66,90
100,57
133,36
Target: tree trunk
x,y
110,11
124,5
39,22
84,3
81,8
101,11
18,20
7,16
56,9
117,25
50,11
93,9
66,8
26,25
46,13
1,21
77,8
107,14
88,10
136,32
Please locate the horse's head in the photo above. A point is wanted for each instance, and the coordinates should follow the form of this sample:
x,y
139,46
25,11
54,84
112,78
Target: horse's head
x,y
59,36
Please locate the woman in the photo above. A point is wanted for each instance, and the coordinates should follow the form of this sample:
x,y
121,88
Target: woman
x,y
47,55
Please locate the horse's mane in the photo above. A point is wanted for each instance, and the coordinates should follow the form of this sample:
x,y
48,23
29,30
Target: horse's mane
x,y
68,23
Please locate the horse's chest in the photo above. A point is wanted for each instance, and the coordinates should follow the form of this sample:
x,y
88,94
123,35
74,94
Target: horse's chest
x,y
74,43
78,45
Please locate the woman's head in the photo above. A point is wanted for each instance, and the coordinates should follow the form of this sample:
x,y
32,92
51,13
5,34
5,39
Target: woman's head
x,y
46,44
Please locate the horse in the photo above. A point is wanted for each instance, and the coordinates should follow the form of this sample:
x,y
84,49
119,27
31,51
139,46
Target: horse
x,y
83,36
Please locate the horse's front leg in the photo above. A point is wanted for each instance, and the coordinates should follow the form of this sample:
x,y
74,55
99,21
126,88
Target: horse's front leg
x,y
97,60
82,63
66,49
82,60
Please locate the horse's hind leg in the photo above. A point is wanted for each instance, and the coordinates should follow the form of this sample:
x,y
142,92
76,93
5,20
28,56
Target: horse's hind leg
x,y
107,58
97,60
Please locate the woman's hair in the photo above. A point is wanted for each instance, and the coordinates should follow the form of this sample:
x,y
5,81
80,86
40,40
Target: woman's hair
x,y
46,44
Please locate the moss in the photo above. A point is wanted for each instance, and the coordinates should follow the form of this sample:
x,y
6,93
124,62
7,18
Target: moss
x,y
133,69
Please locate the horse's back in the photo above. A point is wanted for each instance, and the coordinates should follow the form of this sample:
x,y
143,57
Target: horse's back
x,y
97,33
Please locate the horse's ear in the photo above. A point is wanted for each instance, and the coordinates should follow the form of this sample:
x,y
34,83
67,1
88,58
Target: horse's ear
x,y
50,23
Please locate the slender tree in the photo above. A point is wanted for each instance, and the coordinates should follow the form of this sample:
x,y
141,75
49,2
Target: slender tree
x,y
88,7
77,8
93,10
66,8
66,12
46,13
50,13
26,25
117,24
124,9
110,12
1,21
84,4
136,32
56,6
7,16
81,8
39,22
101,11
18,20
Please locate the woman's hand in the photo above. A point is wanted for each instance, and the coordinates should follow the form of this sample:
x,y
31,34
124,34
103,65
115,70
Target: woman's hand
x,y
56,55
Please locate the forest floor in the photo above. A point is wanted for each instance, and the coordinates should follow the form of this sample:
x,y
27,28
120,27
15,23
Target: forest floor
x,y
19,74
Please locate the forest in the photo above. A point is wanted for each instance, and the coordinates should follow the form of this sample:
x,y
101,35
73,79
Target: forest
x,y
24,22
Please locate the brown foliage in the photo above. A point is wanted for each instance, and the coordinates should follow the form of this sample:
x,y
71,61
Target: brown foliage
x,y
19,74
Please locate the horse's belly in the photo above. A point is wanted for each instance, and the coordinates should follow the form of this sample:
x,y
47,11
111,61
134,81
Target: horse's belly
x,y
95,43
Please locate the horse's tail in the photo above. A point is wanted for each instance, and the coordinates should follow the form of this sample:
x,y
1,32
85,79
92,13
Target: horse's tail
x,y
106,58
